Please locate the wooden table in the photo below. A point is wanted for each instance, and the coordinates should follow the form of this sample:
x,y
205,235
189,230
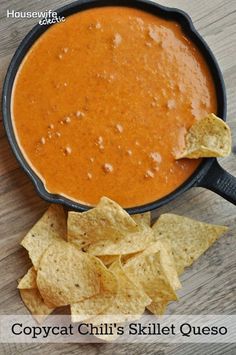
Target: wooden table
x,y
208,287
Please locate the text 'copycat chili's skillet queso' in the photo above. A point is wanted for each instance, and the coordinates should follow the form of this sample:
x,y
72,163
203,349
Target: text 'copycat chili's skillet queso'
x,y
101,103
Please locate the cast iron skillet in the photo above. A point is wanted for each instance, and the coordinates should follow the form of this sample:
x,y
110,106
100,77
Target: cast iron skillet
x,y
209,174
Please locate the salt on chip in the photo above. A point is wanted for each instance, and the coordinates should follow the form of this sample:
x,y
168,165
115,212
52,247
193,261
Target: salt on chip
x,y
142,218
107,221
50,228
35,304
189,238
66,275
99,303
208,137
147,271
28,281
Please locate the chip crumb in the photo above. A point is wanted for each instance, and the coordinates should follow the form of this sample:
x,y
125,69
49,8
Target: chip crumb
x,y
108,168
117,40
80,114
42,140
68,150
149,174
89,175
100,140
156,157
98,25
171,104
119,128
67,119
153,34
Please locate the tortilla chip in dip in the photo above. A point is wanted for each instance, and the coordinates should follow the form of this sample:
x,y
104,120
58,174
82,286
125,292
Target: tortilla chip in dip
x,y
208,137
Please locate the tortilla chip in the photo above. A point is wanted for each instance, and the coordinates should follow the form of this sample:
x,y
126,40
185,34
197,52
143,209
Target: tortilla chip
x,y
189,239
142,218
130,301
167,261
169,269
128,244
158,308
51,227
108,259
99,303
35,304
208,137
147,271
107,221
29,280
66,275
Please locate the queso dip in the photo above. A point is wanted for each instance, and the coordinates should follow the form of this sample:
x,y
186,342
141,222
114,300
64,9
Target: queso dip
x,y
103,100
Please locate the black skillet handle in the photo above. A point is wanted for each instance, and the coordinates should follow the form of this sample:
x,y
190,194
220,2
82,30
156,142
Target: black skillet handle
x,y
221,182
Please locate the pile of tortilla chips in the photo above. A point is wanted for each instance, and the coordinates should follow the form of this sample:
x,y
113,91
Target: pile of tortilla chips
x,y
105,263
208,137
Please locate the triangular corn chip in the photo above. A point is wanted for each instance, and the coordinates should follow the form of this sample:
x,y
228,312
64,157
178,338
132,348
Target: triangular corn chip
x,y
142,218
107,221
66,275
208,137
169,268
99,303
130,301
35,304
128,244
189,239
29,280
147,270
51,227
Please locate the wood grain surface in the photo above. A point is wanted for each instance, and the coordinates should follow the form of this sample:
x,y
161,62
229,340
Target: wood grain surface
x,y
209,286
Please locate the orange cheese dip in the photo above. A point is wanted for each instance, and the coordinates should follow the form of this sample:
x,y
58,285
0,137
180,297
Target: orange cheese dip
x,y
102,101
